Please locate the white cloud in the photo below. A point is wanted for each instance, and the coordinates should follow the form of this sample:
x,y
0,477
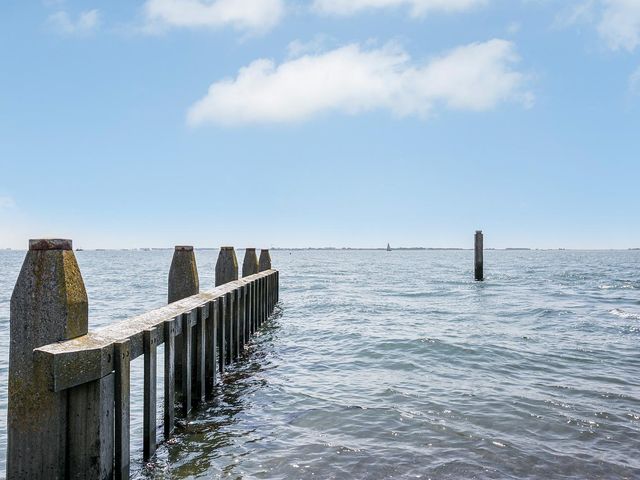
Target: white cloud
x,y
417,7
620,24
353,80
634,82
85,23
617,21
255,15
6,202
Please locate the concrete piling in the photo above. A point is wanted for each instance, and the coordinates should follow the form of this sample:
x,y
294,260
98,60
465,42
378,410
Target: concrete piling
x,y
226,266
250,265
265,260
49,304
479,256
183,274
183,283
227,271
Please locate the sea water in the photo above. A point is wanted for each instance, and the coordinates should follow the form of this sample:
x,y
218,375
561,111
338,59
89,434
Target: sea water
x,y
398,365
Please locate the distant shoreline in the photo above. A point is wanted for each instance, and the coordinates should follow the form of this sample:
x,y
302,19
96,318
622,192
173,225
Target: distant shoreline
x,y
339,249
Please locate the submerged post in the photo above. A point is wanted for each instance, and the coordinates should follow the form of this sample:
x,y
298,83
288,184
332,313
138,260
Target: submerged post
x,y
49,304
250,265
479,260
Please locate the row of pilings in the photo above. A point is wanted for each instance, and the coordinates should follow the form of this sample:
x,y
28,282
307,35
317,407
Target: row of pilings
x,y
69,388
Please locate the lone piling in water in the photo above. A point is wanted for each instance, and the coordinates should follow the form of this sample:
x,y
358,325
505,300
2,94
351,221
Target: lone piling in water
x,y
479,257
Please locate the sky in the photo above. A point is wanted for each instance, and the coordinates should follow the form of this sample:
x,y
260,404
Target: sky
x,y
295,123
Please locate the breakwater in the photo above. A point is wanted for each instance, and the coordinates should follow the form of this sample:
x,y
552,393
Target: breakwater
x,y
69,388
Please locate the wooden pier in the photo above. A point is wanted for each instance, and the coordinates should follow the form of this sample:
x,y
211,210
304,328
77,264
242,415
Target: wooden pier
x,y
69,388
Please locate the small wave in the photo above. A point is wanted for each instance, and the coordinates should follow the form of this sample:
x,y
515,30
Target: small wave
x,y
618,286
618,312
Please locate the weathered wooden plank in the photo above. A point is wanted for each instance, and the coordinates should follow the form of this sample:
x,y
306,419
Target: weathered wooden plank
x,y
169,376
186,365
263,306
91,430
237,321
247,313
150,375
122,360
254,294
221,315
229,327
200,356
210,350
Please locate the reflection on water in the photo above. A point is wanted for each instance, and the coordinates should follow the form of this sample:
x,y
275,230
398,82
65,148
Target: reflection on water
x,y
397,365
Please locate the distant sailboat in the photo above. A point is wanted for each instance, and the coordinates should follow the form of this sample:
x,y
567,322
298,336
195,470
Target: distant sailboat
x,y
388,247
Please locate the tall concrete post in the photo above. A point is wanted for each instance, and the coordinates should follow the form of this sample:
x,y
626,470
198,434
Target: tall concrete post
x,y
183,274
479,254
227,266
265,260
183,283
49,304
250,264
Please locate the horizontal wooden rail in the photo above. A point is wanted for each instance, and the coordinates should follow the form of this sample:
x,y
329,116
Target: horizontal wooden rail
x,y
91,357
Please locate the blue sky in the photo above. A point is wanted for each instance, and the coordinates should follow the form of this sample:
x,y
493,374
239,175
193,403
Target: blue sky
x,y
320,122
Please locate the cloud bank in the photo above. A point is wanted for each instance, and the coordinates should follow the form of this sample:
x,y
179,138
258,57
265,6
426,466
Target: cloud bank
x,y
353,80
418,8
252,15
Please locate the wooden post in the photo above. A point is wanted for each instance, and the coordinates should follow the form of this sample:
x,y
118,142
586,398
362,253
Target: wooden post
x,y
241,312
149,419
169,376
247,313
221,313
253,307
200,343
479,260
186,365
49,304
183,283
228,320
210,349
237,324
121,364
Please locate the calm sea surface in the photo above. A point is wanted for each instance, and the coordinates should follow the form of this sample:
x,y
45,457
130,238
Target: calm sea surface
x,y
397,365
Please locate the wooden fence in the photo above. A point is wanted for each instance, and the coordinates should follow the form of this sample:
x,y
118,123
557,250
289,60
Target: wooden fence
x,y
69,389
